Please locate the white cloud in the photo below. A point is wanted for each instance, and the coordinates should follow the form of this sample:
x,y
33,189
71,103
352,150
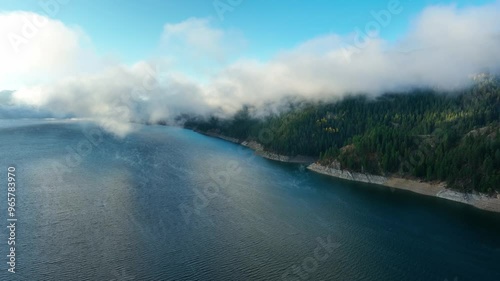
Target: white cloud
x,y
54,68
444,46
35,49
197,47
198,35
117,96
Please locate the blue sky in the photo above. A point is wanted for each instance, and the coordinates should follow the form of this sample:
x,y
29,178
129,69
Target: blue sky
x,y
131,30
162,58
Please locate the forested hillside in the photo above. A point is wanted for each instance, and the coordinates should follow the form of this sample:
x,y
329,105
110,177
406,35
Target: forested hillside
x,y
433,136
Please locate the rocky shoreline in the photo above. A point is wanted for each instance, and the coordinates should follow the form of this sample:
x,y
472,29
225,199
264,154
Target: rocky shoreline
x,y
259,150
439,190
480,201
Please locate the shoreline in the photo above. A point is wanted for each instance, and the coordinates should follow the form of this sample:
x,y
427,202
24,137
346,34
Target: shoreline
x,y
259,150
438,190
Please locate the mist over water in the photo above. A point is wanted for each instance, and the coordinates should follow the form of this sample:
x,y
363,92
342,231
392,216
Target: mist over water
x,y
166,203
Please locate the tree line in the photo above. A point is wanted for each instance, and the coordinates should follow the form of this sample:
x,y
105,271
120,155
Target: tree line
x,y
424,133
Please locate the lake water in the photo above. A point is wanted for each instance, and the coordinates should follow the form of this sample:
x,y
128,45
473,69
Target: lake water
x,y
169,204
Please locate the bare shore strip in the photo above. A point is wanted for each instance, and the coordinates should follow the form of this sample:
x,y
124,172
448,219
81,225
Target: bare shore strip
x,y
480,201
439,190
259,150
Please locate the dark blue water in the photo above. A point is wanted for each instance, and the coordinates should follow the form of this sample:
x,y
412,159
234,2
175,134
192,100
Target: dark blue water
x,y
169,204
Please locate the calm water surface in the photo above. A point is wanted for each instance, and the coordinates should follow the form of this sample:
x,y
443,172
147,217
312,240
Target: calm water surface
x,y
169,204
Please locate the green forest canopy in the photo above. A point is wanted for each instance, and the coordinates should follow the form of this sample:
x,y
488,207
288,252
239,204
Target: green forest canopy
x,y
424,134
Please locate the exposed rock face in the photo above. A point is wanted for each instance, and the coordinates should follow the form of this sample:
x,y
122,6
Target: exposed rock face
x,y
253,145
344,174
259,150
215,135
481,201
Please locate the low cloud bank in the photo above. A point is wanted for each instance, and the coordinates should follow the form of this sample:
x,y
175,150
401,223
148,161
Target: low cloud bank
x,y
444,46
